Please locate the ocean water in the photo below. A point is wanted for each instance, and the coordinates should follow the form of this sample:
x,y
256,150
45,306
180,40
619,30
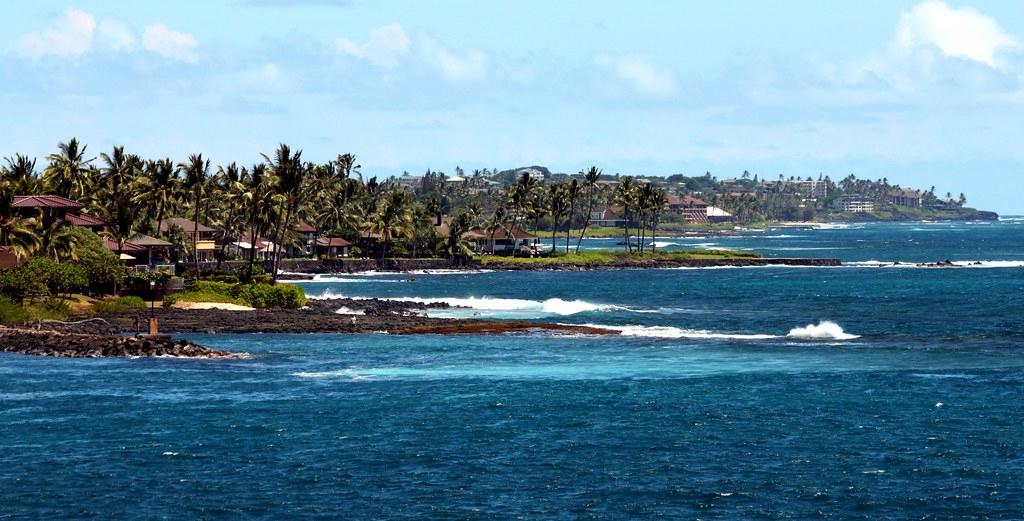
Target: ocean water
x,y
868,391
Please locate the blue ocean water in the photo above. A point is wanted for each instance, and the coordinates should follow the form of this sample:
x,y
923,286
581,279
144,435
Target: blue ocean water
x,y
869,391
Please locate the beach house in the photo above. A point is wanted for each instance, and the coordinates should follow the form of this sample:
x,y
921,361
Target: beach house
x,y
206,242
331,247
905,197
502,241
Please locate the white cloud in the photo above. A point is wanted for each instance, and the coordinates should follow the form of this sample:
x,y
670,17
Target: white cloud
x,y
70,37
957,33
171,44
116,36
642,74
386,44
469,65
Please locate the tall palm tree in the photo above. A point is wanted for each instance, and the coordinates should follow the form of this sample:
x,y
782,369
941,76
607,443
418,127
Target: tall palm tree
x,y
196,170
228,191
572,192
290,172
17,233
392,220
558,204
68,172
519,196
159,188
455,244
115,196
495,223
624,196
20,172
590,179
258,201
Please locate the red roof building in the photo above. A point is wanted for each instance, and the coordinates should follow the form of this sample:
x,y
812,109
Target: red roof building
x,y
46,201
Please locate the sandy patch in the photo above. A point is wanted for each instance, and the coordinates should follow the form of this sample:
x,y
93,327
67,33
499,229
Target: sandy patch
x,y
212,305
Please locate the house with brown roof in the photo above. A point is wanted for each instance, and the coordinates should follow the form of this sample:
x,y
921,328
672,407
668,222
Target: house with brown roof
x,y
331,247
502,241
692,210
610,216
206,242
905,197
86,221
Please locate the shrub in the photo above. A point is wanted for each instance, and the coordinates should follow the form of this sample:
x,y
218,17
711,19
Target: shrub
x,y
56,277
224,277
103,269
252,295
11,312
49,309
131,302
268,296
17,283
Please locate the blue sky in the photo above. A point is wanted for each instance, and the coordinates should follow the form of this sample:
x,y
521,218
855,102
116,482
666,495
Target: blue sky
x,y
923,93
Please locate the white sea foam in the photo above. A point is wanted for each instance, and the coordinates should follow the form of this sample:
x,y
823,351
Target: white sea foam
x,y
554,306
959,264
824,330
349,311
675,332
350,374
665,244
325,294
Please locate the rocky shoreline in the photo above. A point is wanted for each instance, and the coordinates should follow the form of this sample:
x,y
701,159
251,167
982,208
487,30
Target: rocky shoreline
x,y
63,344
104,336
321,316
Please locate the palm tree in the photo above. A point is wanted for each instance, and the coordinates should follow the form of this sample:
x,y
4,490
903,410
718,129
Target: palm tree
x,y
159,188
290,174
20,173
227,186
572,192
257,197
393,219
67,174
519,196
558,204
658,203
17,233
196,170
590,178
495,223
624,196
115,199
456,245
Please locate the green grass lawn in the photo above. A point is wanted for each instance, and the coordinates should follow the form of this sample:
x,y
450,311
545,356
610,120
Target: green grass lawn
x,y
612,257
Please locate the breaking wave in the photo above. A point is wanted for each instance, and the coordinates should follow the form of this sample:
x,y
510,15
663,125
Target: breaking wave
x,y
675,332
824,330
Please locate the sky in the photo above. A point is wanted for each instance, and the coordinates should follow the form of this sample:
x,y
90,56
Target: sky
x,y
921,93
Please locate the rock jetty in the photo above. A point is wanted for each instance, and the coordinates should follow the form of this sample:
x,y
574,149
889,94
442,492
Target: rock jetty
x,y
79,345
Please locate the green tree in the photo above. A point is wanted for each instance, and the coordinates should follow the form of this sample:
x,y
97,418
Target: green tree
x,y
68,172
196,170
590,179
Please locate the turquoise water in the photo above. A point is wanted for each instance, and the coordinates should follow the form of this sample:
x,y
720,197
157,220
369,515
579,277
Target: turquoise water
x,y
903,400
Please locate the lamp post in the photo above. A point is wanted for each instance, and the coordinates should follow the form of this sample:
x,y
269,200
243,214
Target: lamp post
x,y
152,308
